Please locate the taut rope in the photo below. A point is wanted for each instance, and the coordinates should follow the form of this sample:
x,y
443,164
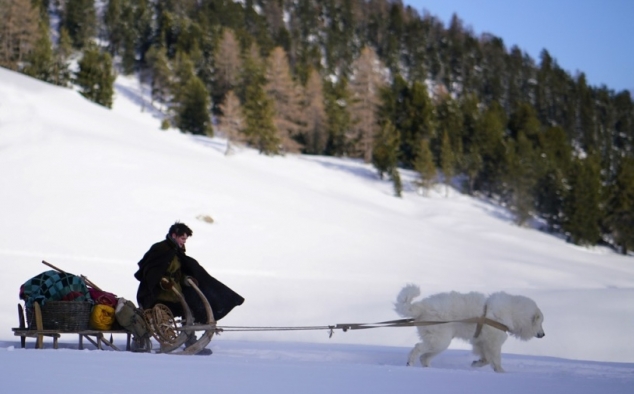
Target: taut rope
x,y
479,321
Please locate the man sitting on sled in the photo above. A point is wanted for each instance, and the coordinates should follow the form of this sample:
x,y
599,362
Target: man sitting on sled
x,y
166,260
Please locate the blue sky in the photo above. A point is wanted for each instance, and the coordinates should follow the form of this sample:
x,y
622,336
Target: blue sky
x,y
592,36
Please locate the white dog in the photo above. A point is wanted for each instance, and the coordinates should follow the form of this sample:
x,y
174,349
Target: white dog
x,y
519,314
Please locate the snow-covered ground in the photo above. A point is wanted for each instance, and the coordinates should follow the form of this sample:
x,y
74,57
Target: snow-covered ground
x,y
306,240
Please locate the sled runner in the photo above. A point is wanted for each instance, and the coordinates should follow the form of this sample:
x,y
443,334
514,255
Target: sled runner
x,y
171,333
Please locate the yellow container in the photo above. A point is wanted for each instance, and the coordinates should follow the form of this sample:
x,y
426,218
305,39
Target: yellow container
x,y
102,317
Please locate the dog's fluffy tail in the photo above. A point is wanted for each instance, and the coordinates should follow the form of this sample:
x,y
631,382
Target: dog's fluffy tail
x,y
403,304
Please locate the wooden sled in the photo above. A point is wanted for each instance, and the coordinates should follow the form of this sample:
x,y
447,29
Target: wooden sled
x,y
96,337
171,334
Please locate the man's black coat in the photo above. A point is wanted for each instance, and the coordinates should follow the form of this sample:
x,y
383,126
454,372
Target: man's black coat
x,y
153,267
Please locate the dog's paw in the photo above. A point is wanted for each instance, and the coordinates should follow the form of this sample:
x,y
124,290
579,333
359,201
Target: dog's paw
x,y
479,363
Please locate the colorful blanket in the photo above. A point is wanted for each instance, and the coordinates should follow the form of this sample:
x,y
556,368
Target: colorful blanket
x,y
54,286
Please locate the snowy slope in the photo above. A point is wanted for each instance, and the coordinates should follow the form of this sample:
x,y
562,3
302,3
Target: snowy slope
x,y
306,240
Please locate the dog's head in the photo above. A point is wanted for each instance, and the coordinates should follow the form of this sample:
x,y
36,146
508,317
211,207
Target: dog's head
x,y
528,323
520,314
538,319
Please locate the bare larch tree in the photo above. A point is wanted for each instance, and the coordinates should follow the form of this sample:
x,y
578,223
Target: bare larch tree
x,y
231,122
286,97
18,31
365,85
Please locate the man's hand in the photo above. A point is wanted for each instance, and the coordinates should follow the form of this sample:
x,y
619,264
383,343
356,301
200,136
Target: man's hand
x,y
188,278
166,284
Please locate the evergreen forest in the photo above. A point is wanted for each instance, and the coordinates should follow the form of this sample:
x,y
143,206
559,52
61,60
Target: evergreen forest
x,y
370,79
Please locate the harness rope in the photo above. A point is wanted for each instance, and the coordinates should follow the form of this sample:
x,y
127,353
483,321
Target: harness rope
x,y
164,329
479,321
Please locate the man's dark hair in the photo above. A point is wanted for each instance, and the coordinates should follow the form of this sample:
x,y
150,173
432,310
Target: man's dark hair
x,y
180,229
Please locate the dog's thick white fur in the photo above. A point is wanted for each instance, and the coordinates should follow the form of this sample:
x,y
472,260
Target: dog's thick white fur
x,y
520,314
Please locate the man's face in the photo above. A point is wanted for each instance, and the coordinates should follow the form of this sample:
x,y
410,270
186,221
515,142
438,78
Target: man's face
x,y
180,239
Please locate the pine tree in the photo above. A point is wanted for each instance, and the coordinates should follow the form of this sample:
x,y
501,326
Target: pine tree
x,y
517,84
385,149
417,120
339,38
526,165
391,98
456,57
253,71
395,177
231,120
425,167
112,21
620,207
416,42
130,38
337,98
256,26
315,130
449,119
40,62
391,108
62,74
449,123
159,73
524,119
493,69
80,19
624,121
258,109
551,187
520,177
472,162
586,127
41,7
95,77
543,89
143,26
193,108
447,161
394,31
260,129
489,142
182,72
581,205
304,27
120,22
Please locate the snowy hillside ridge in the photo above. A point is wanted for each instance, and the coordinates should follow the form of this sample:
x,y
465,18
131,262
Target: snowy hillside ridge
x,y
307,240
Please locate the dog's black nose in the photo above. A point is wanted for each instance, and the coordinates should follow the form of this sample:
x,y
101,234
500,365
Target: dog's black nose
x,y
541,335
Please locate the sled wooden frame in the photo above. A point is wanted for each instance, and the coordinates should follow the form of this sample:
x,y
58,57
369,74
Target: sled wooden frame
x,y
96,337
